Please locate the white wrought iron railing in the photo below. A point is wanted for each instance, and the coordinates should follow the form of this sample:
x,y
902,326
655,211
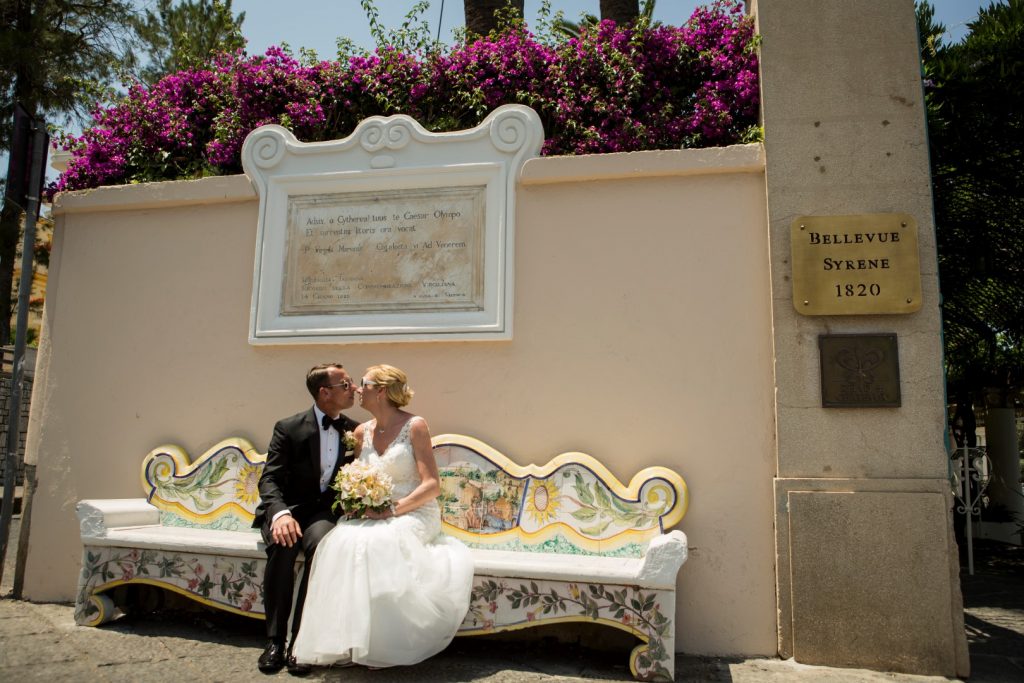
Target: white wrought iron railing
x,y
971,474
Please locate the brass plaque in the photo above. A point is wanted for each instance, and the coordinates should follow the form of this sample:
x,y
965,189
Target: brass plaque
x,y
859,371
855,265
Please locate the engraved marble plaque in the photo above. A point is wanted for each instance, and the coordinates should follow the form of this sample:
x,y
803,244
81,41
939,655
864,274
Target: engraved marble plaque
x,y
385,251
392,234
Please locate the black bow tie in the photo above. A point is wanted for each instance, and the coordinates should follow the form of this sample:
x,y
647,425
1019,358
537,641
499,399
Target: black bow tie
x,y
338,424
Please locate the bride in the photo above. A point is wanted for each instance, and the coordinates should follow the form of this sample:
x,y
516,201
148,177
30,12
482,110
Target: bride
x,y
390,588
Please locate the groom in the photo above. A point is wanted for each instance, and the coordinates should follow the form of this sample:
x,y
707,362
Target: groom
x,y
295,501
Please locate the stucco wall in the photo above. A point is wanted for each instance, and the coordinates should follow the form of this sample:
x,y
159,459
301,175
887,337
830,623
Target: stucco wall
x,y
642,336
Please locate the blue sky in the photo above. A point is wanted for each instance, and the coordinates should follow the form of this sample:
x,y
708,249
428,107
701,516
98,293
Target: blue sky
x,y
317,24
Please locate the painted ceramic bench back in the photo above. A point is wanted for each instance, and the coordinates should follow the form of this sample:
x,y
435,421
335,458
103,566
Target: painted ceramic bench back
x,y
219,490
573,504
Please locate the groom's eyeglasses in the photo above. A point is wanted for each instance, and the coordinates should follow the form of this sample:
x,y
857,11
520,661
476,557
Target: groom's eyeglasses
x,y
344,384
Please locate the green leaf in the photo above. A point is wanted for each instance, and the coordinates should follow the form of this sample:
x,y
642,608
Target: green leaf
x,y
218,471
200,504
597,529
584,514
601,495
661,673
583,491
637,520
621,505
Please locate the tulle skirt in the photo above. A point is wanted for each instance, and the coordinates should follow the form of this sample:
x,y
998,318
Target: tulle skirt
x,y
384,592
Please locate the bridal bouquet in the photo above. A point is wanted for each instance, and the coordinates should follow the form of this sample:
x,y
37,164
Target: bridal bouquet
x,y
362,487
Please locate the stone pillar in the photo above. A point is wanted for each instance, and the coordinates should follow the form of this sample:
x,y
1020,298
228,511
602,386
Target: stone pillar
x,y
867,568
1004,453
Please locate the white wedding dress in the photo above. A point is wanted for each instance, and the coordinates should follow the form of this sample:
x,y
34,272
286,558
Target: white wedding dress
x,y
385,592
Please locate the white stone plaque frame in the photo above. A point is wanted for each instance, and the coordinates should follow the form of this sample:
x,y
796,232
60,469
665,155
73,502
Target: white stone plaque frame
x,y
391,234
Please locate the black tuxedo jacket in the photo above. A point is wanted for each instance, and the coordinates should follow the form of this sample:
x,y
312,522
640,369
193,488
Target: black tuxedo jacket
x,y
291,476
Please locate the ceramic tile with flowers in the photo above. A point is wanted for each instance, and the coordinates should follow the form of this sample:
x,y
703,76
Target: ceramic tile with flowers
x,y
507,604
218,491
571,506
234,584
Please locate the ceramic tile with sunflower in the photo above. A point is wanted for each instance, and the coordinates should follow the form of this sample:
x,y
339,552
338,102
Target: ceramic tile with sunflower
x,y
220,490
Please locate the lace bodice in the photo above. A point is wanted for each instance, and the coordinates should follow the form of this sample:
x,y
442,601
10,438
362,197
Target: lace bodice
x,y
397,459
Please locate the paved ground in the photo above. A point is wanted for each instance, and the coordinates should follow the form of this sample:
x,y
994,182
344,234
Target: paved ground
x,y
994,612
41,642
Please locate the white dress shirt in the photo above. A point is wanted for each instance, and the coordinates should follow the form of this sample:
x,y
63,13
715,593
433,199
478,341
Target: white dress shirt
x,y
330,442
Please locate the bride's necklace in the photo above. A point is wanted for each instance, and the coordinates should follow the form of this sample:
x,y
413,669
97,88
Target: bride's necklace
x,y
381,430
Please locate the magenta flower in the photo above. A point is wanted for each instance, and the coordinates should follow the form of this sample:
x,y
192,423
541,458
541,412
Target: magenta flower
x,y
613,89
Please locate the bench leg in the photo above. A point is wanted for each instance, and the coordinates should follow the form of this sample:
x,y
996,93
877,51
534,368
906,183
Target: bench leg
x,y
92,608
503,604
655,659
97,609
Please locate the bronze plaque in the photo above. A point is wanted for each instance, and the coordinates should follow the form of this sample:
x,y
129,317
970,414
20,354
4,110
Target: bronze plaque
x,y
863,264
859,371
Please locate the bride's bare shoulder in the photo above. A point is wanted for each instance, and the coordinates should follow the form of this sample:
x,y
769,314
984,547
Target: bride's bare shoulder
x,y
418,425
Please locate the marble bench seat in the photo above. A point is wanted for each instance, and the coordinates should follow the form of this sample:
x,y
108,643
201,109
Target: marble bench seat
x,y
134,523
656,569
564,541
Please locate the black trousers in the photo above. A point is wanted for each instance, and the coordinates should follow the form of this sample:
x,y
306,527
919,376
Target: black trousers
x,y
279,577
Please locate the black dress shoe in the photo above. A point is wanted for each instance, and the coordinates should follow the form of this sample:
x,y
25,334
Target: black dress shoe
x,y
296,668
272,659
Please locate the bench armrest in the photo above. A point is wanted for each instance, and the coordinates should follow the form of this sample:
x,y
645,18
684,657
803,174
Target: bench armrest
x,y
665,555
96,516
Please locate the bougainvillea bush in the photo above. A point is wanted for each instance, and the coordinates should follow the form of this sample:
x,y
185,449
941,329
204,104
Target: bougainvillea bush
x,y
612,89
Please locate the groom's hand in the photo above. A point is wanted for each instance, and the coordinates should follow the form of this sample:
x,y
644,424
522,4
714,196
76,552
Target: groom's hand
x,y
285,531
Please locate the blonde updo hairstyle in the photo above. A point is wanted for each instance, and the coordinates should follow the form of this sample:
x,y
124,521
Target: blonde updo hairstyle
x,y
394,381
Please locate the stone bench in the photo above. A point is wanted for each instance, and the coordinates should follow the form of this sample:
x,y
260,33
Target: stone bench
x,y
565,541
